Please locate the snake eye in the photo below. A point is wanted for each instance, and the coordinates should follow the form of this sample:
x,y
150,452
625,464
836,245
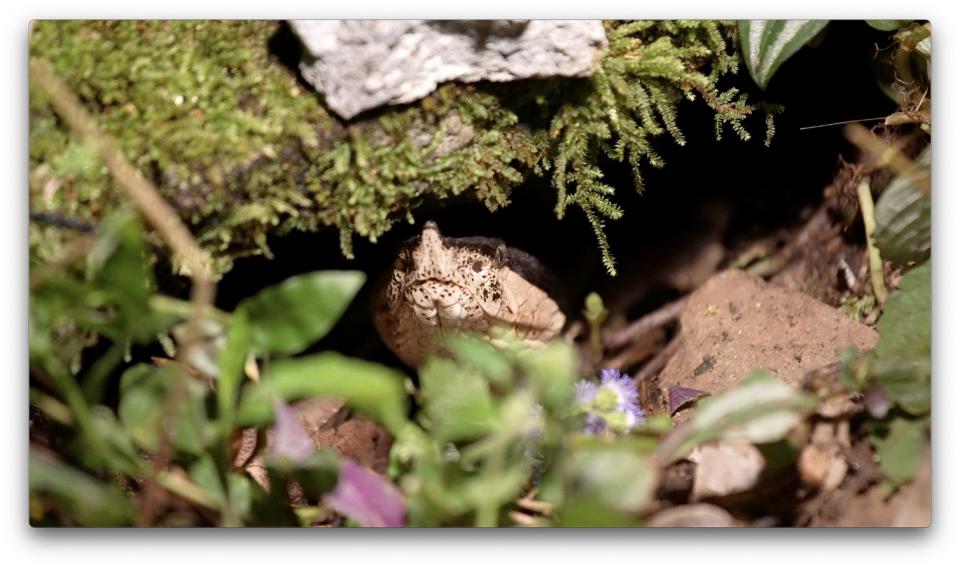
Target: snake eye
x,y
500,256
477,266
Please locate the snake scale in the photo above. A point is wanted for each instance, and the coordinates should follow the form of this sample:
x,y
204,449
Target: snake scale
x,y
438,285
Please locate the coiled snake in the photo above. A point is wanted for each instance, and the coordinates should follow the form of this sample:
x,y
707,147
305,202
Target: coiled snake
x,y
440,284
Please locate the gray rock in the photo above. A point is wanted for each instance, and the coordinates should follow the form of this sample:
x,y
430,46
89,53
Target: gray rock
x,y
363,64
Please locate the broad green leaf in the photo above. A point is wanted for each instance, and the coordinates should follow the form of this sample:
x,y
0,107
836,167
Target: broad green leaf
x,y
89,502
552,369
904,327
239,496
122,455
902,366
204,474
232,359
478,353
143,401
759,409
457,400
119,275
903,216
288,317
900,448
887,25
766,44
368,387
905,382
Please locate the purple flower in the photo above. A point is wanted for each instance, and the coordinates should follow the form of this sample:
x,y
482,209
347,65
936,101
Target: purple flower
x,y
585,391
366,497
610,405
289,440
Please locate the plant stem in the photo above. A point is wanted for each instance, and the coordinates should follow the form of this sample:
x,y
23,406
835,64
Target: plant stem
x,y
164,218
873,253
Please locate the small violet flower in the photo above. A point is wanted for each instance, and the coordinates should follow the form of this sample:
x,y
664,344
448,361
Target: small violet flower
x,y
611,404
290,441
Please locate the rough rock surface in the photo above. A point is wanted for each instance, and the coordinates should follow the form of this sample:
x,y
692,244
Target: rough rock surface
x,y
724,468
736,323
362,64
696,515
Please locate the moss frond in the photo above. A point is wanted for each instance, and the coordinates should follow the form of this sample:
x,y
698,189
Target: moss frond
x,y
649,68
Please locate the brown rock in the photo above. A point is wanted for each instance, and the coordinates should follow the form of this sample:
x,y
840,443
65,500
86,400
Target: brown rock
x,y
821,467
724,468
696,515
736,323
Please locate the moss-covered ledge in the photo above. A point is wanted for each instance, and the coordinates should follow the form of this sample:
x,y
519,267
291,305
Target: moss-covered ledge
x,y
242,150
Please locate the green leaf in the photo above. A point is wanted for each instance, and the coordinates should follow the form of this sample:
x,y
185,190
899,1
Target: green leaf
x,y
759,409
240,489
900,447
232,359
120,276
905,326
902,365
887,25
905,382
288,317
457,400
143,400
478,353
87,501
766,44
204,474
552,369
368,387
122,455
903,216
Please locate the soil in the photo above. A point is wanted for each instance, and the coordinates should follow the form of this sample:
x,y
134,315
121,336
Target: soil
x,y
736,323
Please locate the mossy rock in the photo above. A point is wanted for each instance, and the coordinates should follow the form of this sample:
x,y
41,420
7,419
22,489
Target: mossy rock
x,y
240,148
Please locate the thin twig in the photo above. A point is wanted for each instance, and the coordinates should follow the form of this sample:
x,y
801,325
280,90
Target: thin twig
x,y
74,250
523,520
637,351
887,155
663,315
159,214
842,123
873,252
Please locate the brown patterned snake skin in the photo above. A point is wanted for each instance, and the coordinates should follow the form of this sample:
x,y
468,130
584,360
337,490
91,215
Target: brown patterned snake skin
x,y
439,285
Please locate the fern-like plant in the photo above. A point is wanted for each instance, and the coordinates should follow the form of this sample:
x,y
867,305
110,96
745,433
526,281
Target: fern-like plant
x,y
631,99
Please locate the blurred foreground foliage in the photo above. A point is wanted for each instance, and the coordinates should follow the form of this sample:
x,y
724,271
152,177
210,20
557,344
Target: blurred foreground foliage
x,y
489,429
489,424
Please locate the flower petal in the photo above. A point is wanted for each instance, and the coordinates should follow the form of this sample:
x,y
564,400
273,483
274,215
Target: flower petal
x,y
680,396
366,497
290,440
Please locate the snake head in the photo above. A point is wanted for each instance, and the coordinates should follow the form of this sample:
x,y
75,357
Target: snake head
x,y
458,279
438,284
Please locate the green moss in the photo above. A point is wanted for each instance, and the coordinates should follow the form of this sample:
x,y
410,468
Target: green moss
x,y
233,142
